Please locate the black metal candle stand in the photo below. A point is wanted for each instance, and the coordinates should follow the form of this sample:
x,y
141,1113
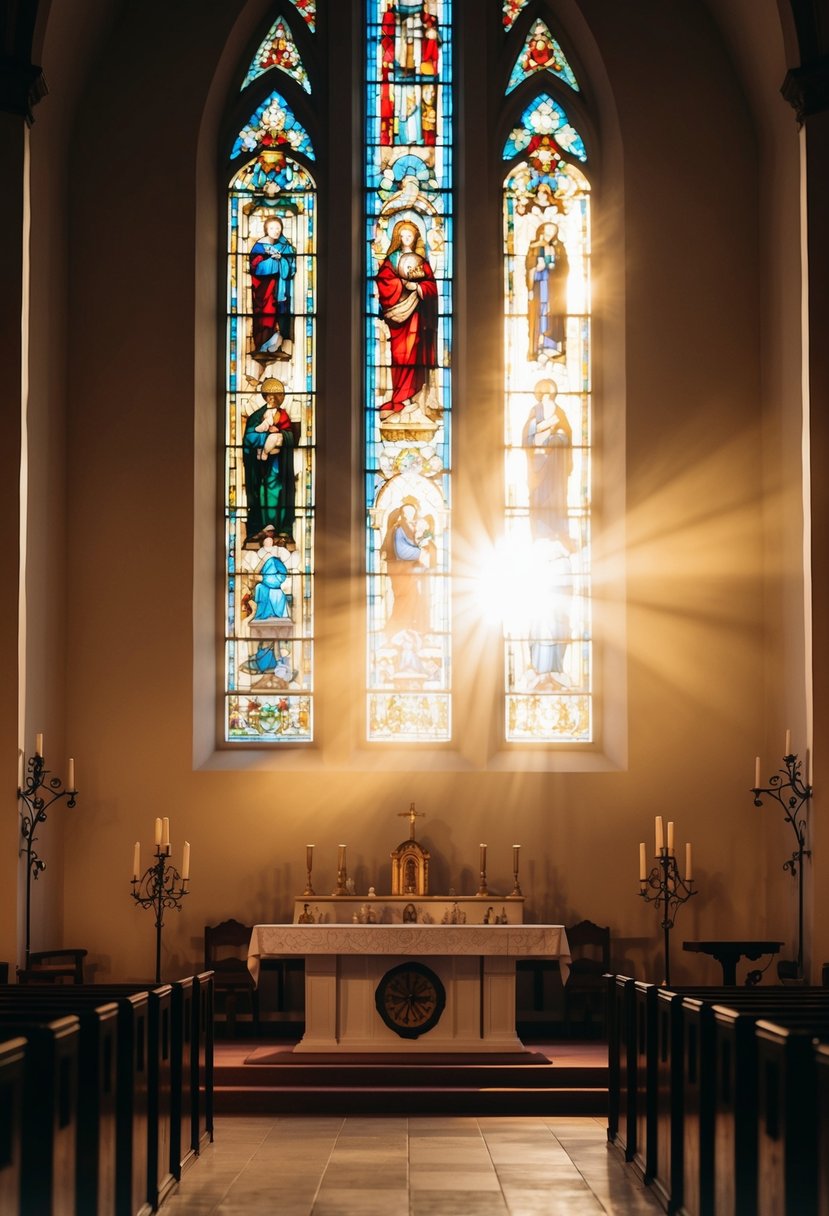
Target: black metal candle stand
x,y
793,794
37,795
161,886
665,887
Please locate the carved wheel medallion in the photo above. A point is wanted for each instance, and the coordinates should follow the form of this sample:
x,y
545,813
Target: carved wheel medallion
x,y
410,999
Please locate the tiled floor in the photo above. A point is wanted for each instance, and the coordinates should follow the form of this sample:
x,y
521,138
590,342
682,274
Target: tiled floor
x,y
419,1166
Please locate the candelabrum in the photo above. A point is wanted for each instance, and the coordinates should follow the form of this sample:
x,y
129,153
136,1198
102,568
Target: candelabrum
x,y
161,886
309,865
483,889
37,795
516,886
788,788
666,887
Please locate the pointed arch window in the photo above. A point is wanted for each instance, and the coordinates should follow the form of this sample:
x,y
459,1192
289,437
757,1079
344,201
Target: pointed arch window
x,y
408,325
270,392
548,648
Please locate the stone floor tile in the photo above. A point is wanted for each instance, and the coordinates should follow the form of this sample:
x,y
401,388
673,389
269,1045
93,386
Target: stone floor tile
x,y
421,1179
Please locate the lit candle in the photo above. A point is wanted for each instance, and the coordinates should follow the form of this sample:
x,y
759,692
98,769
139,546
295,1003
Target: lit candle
x,y
165,833
39,744
71,773
516,853
483,858
136,861
671,837
309,856
643,864
659,839
185,861
157,831
788,749
757,772
689,869
341,857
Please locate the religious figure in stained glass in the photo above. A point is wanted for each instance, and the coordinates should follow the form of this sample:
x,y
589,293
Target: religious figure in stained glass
x,y
408,302
272,262
548,440
409,551
548,649
541,53
278,50
547,271
268,457
409,52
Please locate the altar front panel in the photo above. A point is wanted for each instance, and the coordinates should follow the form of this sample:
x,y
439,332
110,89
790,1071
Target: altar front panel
x,y
344,965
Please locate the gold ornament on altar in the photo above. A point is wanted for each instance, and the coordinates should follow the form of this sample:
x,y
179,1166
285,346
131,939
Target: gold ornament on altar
x,y
410,862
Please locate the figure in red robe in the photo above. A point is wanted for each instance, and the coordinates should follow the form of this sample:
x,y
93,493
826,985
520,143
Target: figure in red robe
x,y
409,306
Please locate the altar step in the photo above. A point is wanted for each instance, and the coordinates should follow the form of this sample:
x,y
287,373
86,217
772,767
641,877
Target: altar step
x,y
433,1084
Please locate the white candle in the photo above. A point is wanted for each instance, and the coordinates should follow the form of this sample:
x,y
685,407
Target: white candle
x,y
136,860
71,773
341,857
39,744
671,837
157,831
757,772
788,748
185,861
643,864
516,853
165,832
309,856
689,869
659,839
483,858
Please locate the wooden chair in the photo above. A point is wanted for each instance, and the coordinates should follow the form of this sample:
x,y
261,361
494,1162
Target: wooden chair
x,y
586,988
225,954
53,967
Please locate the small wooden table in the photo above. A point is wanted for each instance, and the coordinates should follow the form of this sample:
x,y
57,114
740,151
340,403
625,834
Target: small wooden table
x,y
728,954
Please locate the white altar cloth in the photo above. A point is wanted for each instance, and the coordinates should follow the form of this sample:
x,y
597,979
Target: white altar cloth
x,y
344,964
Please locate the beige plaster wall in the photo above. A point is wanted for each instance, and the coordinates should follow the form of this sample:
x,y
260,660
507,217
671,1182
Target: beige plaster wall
x,y
697,637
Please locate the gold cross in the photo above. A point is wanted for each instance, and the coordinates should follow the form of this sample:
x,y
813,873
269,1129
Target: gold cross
x,y
411,815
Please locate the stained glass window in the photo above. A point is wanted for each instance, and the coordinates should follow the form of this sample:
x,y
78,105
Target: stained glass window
x,y
541,53
548,655
409,237
308,9
511,9
269,430
278,50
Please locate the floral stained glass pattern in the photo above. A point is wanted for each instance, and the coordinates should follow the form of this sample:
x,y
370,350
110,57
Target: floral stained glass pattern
x,y
408,386
308,10
269,431
548,655
541,53
278,50
511,9
273,125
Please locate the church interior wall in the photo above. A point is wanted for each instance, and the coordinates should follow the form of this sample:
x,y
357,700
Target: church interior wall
x,y
710,610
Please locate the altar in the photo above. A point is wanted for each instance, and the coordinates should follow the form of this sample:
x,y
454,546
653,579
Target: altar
x,y
416,987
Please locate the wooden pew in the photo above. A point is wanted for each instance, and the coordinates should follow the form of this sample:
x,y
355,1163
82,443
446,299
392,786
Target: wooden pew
x,y
644,1156
203,1036
184,1073
12,1064
132,1128
97,1111
48,1153
622,1064
686,1107
822,1065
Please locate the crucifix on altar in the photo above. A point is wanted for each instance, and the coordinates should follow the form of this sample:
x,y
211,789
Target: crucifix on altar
x,y
410,861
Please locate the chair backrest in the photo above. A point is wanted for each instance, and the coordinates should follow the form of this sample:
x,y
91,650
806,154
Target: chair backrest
x,y
50,966
589,948
226,945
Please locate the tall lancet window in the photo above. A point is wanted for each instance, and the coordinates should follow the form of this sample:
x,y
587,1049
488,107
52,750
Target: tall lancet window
x,y
270,395
548,658
409,233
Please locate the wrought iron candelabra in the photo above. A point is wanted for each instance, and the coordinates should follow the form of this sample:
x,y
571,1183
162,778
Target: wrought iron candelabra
x,y
37,796
666,887
788,788
161,886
